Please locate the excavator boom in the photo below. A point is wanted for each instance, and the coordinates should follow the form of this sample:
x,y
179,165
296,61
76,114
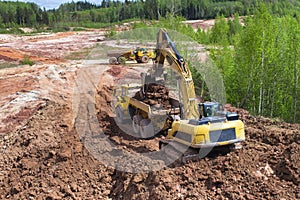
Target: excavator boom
x,y
166,51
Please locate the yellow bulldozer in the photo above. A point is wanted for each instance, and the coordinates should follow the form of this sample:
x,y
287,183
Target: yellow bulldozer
x,y
152,109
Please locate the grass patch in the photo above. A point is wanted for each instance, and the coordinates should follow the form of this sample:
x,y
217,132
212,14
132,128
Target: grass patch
x,y
110,33
26,61
11,31
4,65
78,29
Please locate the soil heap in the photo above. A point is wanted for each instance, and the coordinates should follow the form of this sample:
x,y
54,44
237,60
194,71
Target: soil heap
x,y
156,95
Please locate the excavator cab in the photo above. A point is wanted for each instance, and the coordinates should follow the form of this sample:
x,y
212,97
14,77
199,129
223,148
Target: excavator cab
x,y
211,109
215,110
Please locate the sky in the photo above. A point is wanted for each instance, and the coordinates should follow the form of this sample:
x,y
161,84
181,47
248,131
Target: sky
x,y
50,4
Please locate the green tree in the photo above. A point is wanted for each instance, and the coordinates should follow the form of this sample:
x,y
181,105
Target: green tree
x,y
219,32
235,27
292,55
20,15
252,56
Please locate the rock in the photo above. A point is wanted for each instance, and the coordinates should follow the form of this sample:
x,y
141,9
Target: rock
x,y
65,154
28,163
73,187
138,178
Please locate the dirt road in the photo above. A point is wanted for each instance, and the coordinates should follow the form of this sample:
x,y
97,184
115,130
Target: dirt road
x,y
43,155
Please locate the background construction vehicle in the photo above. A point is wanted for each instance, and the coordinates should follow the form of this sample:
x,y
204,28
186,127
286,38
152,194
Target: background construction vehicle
x,y
140,54
185,121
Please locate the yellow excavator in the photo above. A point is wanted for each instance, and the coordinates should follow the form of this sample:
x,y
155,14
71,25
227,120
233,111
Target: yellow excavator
x,y
185,121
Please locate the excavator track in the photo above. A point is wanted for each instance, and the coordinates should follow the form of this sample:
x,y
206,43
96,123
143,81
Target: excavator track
x,y
177,152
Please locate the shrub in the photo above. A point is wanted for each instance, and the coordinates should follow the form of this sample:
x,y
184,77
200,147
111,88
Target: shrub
x,y
27,61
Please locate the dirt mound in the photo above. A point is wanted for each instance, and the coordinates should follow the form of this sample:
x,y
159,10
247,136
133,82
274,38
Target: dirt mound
x,y
45,160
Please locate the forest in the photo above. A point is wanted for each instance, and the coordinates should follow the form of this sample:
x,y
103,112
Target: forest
x,y
259,60
261,69
83,13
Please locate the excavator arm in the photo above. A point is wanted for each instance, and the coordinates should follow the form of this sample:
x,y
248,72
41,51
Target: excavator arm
x,y
167,51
